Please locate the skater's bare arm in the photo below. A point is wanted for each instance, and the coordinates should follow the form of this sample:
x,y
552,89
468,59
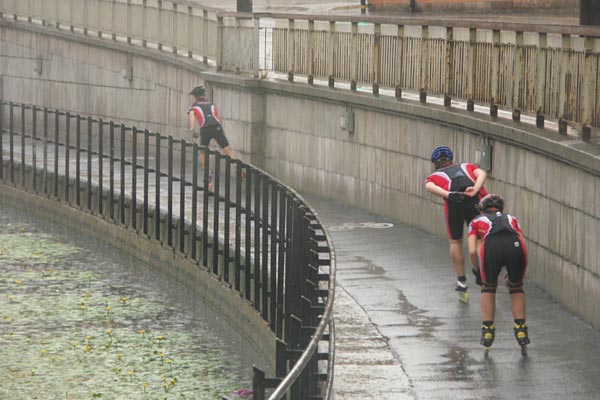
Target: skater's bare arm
x,y
473,253
435,189
192,119
480,176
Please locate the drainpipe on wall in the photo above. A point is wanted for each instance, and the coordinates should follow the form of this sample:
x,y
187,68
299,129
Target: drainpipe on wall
x,y
412,5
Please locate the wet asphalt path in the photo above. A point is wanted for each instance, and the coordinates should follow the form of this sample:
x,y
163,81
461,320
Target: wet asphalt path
x,y
401,280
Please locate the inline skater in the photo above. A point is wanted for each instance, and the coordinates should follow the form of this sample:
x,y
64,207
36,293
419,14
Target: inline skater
x,y
461,187
495,241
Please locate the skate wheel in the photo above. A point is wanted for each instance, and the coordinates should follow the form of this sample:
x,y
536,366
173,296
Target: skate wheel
x,y
464,297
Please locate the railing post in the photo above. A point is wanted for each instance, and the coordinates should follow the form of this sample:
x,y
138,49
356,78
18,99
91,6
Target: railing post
x,y
216,212
33,147
174,28
146,182
400,63
541,73
170,193
220,42
238,225
590,75
495,66
77,160
45,154
182,198
128,19
56,148
157,187
67,155
190,35
89,165
111,171
122,177
273,257
517,72
257,248
248,234
311,55
205,189
204,40
470,63
330,53
158,23
564,63
256,46
194,224
133,206
265,248
424,83
376,58
290,49
144,22
448,65
101,167
23,111
227,220
258,384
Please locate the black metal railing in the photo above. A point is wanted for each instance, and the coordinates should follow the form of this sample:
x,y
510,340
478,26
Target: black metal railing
x,y
254,234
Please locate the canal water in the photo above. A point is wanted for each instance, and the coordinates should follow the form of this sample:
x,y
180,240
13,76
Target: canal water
x,y
80,321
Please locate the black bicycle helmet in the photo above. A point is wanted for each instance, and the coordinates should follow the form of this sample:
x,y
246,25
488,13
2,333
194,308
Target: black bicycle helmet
x,y
198,91
491,201
441,153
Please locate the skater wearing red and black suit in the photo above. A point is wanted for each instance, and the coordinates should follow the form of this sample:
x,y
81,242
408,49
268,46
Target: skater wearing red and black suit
x,y
496,241
461,187
206,115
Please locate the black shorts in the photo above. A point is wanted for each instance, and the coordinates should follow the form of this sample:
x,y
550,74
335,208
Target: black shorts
x,y
457,214
503,250
213,132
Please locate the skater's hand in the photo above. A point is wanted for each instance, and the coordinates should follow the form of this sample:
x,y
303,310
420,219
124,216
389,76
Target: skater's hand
x,y
470,191
456,197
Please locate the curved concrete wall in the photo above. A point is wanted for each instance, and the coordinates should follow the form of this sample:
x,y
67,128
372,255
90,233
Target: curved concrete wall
x,y
550,182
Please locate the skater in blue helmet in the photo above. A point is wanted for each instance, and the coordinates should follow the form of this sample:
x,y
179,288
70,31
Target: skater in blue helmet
x,y
461,187
496,241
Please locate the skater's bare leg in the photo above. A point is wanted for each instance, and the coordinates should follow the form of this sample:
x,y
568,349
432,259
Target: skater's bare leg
x,y
488,306
517,301
457,256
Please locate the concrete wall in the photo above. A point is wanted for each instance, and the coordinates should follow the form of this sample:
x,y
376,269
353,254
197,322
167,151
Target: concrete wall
x,y
568,6
550,182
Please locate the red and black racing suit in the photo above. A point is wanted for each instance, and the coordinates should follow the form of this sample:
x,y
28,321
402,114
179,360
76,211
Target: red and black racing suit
x,y
210,124
456,178
501,245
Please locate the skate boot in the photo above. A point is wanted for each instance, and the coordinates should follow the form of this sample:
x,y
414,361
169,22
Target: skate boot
x,y
522,336
488,333
461,291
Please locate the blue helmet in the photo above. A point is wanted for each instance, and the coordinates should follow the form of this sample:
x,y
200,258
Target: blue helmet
x,y
441,152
